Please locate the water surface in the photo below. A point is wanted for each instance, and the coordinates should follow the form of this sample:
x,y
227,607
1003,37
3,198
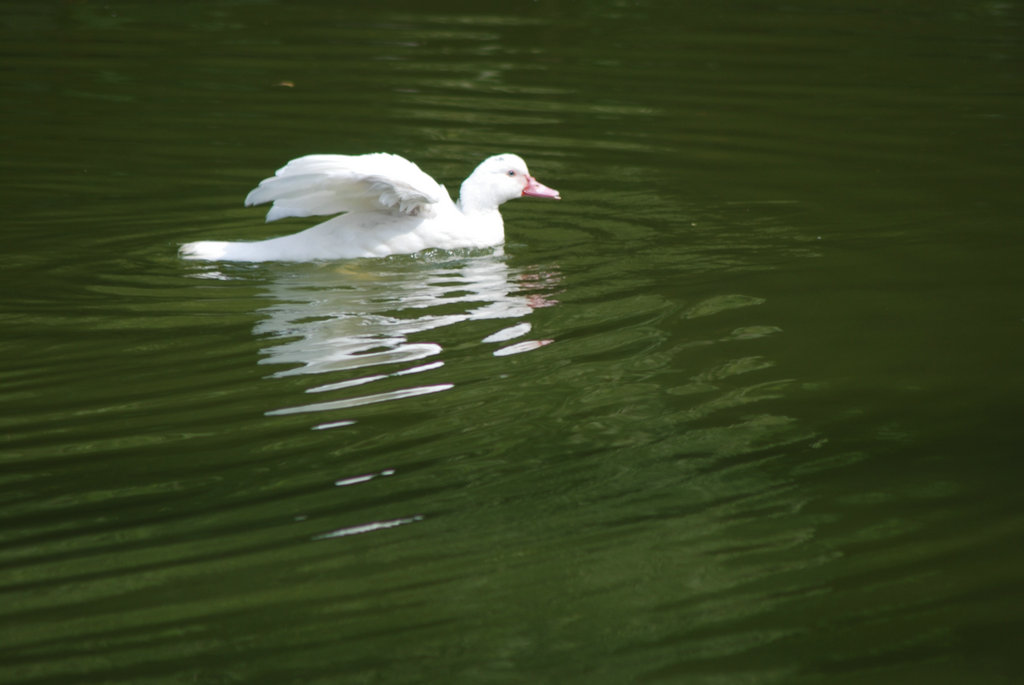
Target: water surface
x,y
743,407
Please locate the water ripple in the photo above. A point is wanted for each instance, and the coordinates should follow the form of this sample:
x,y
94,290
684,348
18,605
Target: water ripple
x,y
338,322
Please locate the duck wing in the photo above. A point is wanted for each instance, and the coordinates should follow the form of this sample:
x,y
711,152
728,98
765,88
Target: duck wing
x,y
330,184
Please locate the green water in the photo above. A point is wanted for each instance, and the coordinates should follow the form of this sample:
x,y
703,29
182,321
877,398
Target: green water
x,y
743,407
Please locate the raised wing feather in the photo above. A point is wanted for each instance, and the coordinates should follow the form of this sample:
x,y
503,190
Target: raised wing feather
x,y
331,184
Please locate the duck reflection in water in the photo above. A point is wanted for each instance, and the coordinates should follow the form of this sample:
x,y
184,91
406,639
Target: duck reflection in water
x,y
369,315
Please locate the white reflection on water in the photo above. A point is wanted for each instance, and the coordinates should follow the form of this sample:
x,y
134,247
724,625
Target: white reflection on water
x,y
357,322
368,527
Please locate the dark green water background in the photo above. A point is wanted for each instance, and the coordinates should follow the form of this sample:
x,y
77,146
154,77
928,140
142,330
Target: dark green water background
x,y
744,407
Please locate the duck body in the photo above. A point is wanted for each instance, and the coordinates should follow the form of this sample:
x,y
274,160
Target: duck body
x,y
387,206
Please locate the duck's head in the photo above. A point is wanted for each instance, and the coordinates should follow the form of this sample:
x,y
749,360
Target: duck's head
x,y
498,179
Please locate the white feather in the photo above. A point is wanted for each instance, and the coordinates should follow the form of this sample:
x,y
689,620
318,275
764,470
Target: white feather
x,y
330,184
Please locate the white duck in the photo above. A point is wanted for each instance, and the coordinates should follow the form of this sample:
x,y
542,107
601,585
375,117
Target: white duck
x,y
390,205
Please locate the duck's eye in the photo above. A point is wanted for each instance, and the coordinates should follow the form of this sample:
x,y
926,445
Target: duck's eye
x,y
511,172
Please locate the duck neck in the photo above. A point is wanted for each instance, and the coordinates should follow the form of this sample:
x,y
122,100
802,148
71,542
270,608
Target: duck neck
x,y
475,199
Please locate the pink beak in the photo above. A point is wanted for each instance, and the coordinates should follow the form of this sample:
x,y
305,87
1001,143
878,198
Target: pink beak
x,y
535,188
